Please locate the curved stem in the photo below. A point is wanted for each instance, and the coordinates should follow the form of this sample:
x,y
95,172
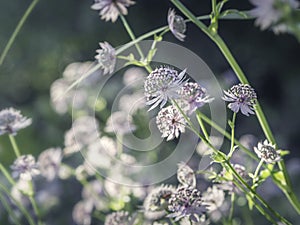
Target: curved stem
x,y
7,175
14,145
257,170
17,30
202,126
232,126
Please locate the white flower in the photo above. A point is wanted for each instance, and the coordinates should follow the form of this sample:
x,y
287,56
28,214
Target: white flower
x,y
185,175
119,123
267,152
25,167
49,162
214,197
177,25
106,57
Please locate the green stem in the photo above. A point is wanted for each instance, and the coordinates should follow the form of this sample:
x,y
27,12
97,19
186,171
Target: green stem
x,y
17,30
257,170
14,145
7,175
241,76
232,126
202,126
33,203
231,207
9,210
120,145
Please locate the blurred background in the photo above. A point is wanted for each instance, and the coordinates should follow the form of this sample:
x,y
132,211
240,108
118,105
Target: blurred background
x,y
58,33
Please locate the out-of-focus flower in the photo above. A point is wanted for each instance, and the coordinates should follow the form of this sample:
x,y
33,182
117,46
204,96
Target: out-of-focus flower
x,y
134,77
185,175
93,192
11,121
18,191
25,167
137,101
84,130
119,123
186,202
214,198
161,85
242,97
118,218
203,149
267,152
106,57
82,213
202,221
177,25
111,9
269,12
170,122
156,202
49,162
193,96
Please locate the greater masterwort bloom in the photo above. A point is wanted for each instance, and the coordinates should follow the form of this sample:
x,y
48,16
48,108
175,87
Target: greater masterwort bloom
x,y
269,12
25,167
177,25
162,84
82,213
170,122
106,57
111,9
119,123
242,97
186,202
267,152
49,162
185,175
193,96
156,202
11,121
118,218
214,198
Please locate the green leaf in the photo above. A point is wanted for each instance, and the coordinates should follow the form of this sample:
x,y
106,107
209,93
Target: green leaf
x,y
235,14
218,157
264,174
249,197
284,152
279,176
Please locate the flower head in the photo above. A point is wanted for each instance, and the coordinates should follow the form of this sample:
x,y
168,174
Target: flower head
x,y
162,84
118,218
11,121
170,122
156,202
106,57
186,202
177,25
193,96
214,197
25,167
49,162
120,123
242,97
267,152
82,213
185,175
111,9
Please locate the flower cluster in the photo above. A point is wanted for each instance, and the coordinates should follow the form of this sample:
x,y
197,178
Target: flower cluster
x,y
267,152
106,57
25,167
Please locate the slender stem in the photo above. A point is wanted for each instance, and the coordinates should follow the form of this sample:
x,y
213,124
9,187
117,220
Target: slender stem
x,y
241,76
33,203
202,126
7,175
232,126
120,145
14,145
17,30
257,170
9,210
231,207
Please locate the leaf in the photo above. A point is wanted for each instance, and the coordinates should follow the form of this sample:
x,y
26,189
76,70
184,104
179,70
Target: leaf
x,y
218,157
235,14
249,197
279,176
264,174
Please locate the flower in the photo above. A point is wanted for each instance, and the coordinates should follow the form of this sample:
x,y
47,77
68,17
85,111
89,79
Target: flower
x,y
25,167
186,202
156,202
185,175
267,152
242,97
193,96
106,57
111,9
170,122
11,121
177,25
119,123
82,213
269,12
118,218
137,100
162,84
49,162
214,197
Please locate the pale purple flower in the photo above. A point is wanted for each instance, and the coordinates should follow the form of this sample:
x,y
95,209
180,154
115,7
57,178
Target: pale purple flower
x,y
161,85
170,122
11,121
193,96
93,192
186,202
267,152
82,213
156,202
106,57
111,9
185,175
176,24
242,97
118,218
49,162
25,167
214,198
119,123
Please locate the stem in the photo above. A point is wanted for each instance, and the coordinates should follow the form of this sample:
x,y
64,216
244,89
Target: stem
x,y
7,175
9,210
231,208
17,30
120,145
14,145
232,126
257,170
33,203
198,115
241,76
